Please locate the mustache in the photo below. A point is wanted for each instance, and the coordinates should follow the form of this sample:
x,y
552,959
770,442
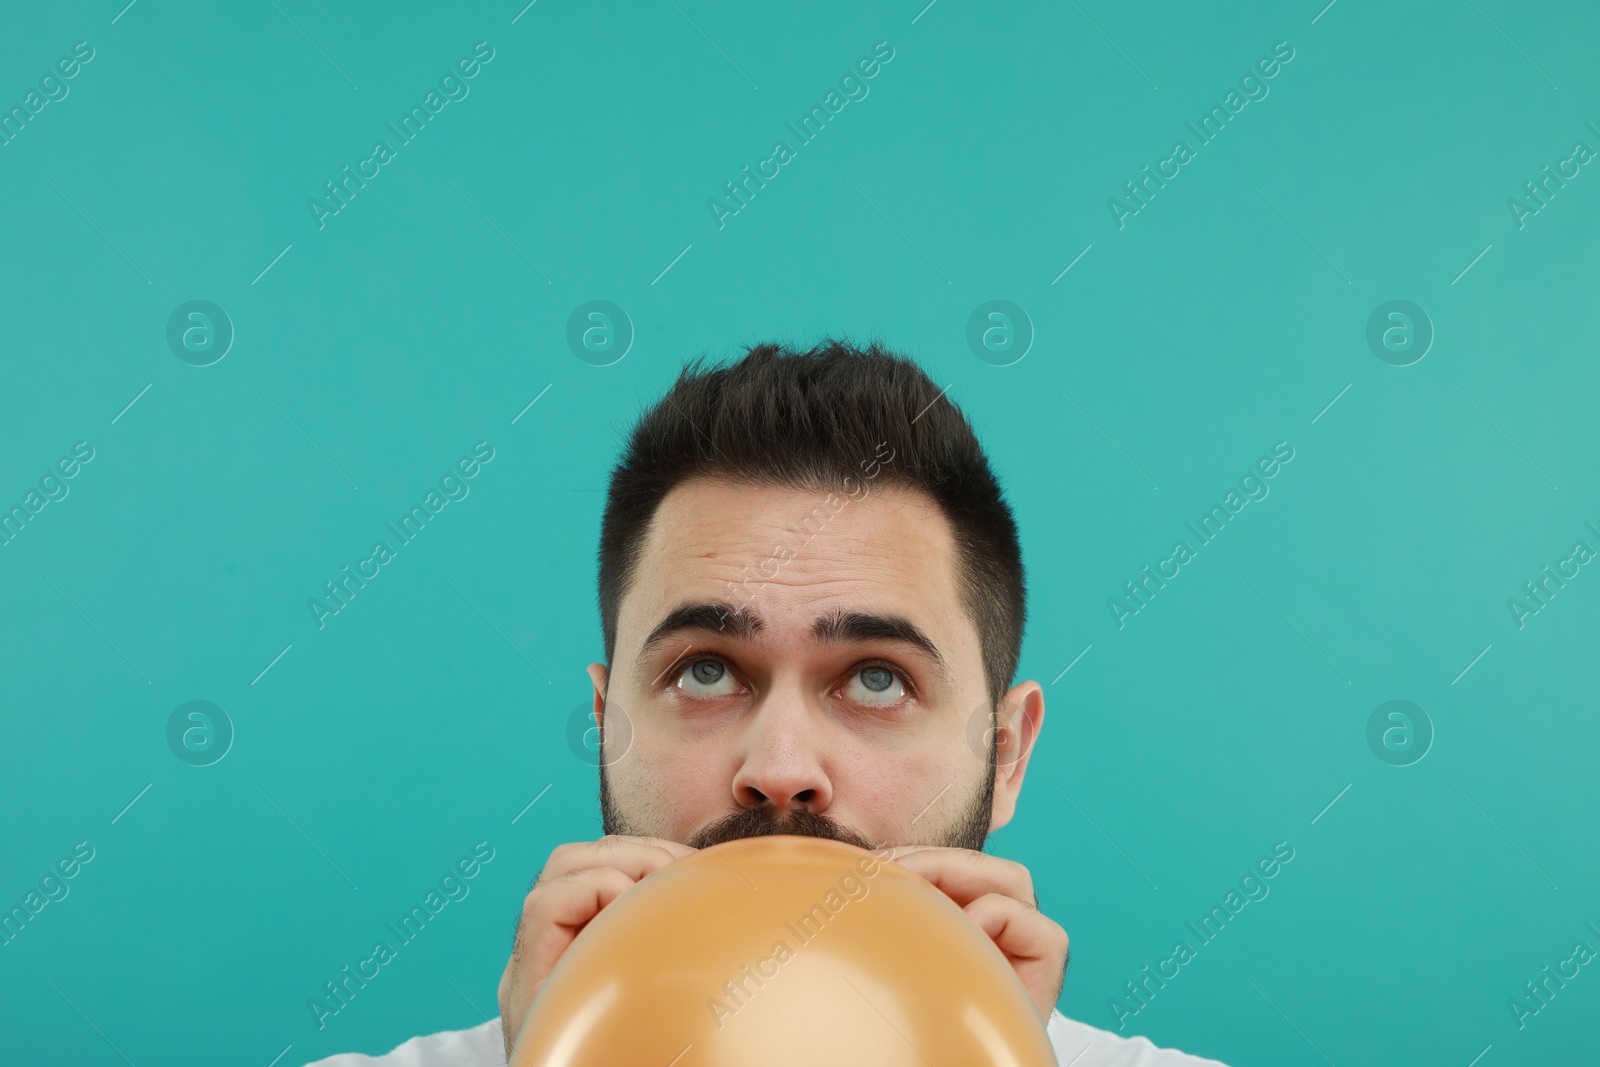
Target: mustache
x,y
765,820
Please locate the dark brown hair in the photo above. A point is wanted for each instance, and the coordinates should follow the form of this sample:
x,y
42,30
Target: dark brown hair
x,y
808,420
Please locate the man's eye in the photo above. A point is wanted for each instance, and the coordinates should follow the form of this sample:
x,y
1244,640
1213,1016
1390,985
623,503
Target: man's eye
x,y
875,685
705,678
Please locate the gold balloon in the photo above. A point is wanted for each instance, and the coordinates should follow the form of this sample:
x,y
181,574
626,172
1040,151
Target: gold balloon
x,y
782,951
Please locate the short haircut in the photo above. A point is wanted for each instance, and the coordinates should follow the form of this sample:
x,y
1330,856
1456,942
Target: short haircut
x,y
808,420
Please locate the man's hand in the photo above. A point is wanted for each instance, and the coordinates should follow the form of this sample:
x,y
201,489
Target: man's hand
x,y
579,879
997,895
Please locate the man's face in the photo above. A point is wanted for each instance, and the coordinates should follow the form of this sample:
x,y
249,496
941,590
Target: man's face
x,y
801,698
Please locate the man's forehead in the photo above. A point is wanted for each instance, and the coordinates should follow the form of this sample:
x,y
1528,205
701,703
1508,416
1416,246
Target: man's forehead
x,y
796,557
728,531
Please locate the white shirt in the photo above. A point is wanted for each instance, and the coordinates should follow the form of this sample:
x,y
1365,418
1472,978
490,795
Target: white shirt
x,y
1076,1045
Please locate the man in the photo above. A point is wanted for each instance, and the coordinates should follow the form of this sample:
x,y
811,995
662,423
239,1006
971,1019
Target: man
x,y
812,603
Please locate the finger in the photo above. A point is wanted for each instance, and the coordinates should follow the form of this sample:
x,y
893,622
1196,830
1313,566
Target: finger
x,y
1017,930
636,856
554,917
555,913
575,899
677,848
964,875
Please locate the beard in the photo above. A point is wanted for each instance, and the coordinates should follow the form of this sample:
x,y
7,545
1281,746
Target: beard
x,y
969,829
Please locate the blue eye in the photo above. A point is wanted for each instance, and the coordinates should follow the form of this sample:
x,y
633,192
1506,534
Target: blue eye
x,y
704,674
877,686
877,679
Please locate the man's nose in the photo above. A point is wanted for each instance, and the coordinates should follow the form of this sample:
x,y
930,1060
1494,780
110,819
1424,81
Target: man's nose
x,y
782,749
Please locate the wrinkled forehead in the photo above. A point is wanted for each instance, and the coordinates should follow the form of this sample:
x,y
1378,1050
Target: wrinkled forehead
x,y
796,555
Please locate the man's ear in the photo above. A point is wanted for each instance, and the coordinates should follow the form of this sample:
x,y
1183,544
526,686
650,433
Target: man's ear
x,y
599,676
1021,717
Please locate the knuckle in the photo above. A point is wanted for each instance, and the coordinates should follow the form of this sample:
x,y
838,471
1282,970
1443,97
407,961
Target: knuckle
x,y
616,877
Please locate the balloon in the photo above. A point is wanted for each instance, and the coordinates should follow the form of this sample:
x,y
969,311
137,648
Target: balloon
x,y
782,951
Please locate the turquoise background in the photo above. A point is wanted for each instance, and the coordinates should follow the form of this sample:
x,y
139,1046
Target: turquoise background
x,y
1222,318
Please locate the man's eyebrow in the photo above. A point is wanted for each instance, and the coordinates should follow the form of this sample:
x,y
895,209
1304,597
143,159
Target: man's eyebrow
x,y
837,627
846,626
739,623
